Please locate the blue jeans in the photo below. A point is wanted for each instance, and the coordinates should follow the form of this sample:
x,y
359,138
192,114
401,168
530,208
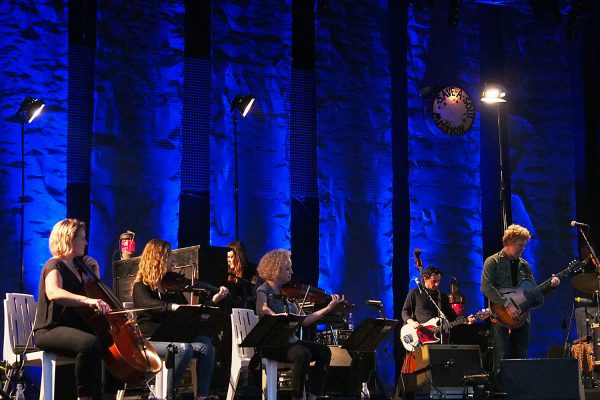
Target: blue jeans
x,y
201,349
510,345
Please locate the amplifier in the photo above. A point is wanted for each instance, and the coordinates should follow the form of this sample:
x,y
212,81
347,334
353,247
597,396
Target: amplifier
x,y
205,263
541,379
441,368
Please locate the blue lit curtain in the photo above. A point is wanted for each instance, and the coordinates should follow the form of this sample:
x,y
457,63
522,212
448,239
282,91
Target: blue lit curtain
x,y
33,42
445,195
251,55
542,159
354,158
136,152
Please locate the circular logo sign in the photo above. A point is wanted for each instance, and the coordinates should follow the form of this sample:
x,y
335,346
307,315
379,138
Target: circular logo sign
x,y
453,111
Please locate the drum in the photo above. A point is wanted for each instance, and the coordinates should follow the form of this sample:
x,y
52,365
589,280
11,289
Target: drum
x,y
583,352
596,342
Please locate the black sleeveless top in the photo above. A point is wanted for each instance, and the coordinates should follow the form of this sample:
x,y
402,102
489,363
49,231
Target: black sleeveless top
x,y
50,314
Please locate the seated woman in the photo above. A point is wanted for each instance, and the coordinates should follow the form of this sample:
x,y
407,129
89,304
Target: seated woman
x,y
241,279
148,292
59,328
276,268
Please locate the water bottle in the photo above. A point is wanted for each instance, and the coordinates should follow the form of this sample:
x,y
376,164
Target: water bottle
x,y
364,392
20,394
350,322
151,394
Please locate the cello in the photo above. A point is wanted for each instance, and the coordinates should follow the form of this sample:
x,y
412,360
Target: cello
x,y
126,353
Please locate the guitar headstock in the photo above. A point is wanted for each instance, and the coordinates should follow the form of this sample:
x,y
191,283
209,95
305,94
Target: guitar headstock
x,y
575,267
418,261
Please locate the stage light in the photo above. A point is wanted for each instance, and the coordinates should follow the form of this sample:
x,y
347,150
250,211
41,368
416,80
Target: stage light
x,y
30,108
242,103
493,93
496,94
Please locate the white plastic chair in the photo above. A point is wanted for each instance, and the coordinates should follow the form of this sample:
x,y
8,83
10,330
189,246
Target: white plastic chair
x,y
242,322
19,317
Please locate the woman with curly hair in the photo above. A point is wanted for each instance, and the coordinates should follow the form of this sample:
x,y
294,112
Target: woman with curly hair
x,y
275,268
148,292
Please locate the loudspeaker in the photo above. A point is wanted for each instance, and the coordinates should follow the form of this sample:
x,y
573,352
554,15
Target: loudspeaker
x,y
442,366
541,379
348,370
209,263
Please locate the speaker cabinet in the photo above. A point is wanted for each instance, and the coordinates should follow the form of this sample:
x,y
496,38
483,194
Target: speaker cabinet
x,y
348,370
206,263
442,367
541,379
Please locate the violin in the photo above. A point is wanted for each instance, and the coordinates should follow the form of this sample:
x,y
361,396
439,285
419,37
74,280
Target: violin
x,y
175,282
301,291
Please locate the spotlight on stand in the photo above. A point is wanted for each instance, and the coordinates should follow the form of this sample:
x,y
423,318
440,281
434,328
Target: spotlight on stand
x,y
493,93
28,110
496,94
243,104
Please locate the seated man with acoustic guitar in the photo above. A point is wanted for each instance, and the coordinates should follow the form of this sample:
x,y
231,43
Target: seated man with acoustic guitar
x,y
503,275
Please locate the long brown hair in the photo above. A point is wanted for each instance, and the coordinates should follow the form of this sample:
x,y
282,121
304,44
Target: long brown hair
x,y
239,260
153,262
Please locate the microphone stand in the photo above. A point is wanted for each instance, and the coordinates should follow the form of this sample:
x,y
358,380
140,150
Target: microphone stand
x,y
443,319
596,265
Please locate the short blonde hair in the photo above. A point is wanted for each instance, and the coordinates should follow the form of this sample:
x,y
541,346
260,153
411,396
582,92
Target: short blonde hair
x,y
514,232
62,235
271,263
153,262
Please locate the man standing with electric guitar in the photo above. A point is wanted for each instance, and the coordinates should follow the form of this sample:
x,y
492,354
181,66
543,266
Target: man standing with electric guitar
x,y
423,303
504,276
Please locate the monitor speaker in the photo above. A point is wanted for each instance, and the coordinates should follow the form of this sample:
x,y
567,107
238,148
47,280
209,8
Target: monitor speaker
x,y
541,379
440,366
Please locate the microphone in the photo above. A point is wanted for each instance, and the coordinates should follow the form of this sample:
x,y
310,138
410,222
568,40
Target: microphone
x,y
584,301
418,285
579,224
376,303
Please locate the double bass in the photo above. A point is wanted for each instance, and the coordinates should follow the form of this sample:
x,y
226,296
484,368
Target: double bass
x,y
125,351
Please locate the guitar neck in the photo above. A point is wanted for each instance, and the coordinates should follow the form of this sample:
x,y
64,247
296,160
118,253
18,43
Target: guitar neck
x,y
546,284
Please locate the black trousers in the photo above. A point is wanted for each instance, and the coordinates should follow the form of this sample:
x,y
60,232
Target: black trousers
x,y
85,347
301,354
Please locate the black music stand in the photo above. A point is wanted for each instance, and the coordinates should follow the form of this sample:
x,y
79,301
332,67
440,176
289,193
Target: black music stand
x,y
272,330
365,339
369,334
184,324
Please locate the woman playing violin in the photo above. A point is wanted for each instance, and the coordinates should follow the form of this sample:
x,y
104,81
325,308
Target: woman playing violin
x,y
276,268
59,328
149,292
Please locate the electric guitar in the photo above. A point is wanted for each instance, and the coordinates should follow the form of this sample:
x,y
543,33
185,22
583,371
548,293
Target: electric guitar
x,y
525,297
429,332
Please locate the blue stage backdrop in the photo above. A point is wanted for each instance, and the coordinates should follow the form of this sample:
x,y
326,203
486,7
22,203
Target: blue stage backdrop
x,y
33,40
136,151
354,158
444,181
251,44
540,121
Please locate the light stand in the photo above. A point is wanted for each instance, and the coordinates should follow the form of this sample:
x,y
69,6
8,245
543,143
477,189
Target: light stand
x,y
496,94
243,104
29,109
